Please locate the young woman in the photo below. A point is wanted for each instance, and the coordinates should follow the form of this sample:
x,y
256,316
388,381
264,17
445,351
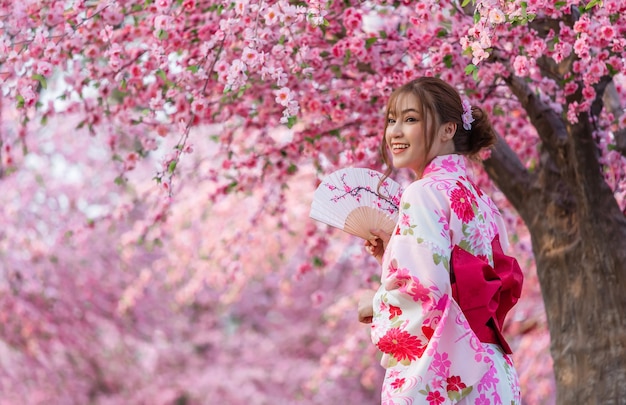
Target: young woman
x,y
446,284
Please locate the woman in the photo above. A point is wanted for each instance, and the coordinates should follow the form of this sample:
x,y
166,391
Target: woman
x,y
446,284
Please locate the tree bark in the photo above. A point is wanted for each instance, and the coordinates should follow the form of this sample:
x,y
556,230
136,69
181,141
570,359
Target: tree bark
x,y
579,241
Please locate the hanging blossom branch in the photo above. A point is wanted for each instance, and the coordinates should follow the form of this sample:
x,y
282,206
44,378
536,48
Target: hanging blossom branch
x,y
171,163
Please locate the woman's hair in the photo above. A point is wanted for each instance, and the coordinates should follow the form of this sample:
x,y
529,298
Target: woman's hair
x,y
441,104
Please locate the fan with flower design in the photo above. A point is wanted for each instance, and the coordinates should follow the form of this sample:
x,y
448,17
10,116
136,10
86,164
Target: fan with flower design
x,y
349,199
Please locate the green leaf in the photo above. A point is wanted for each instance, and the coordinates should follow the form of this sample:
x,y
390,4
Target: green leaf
x,y
292,169
291,121
464,244
447,61
172,166
42,80
369,42
473,70
465,3
470,68
611,69
162,34
193,68
162,75
232,186
437,258
346,57
119,180
592,4
465,391
498,111
20,101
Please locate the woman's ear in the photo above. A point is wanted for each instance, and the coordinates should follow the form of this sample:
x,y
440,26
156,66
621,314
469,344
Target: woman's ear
x,y
447,131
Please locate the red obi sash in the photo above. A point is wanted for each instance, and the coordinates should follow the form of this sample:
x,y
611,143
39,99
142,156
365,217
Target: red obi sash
x,y
485,293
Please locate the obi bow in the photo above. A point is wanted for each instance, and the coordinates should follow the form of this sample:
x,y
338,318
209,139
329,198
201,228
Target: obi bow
x,y
485,293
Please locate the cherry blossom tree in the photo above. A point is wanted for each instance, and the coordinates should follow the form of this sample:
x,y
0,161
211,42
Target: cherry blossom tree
x,y
126,125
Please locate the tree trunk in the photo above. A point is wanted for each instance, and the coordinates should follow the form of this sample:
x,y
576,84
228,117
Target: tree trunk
x,y
580,264
579,242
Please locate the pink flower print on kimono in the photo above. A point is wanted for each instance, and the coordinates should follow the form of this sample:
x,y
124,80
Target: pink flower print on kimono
x,y
405,223
463,203
449,165
474,238
402,280
401,346
394,311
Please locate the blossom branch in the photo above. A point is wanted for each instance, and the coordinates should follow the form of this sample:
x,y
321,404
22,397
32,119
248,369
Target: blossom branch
x,y
509,174
549,124
181,145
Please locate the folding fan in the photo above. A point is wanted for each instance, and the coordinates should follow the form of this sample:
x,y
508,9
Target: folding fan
x,y
349,199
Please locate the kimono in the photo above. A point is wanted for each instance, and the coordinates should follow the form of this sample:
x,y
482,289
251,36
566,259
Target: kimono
x,y
435,350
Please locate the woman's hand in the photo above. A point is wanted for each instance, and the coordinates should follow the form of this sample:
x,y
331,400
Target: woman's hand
x,y
376,247
365,306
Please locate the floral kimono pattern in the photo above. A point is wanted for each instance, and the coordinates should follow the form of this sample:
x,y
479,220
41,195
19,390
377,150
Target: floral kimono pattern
x,y
431,354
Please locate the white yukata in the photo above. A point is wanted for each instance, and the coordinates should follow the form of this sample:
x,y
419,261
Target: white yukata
x,y
431,353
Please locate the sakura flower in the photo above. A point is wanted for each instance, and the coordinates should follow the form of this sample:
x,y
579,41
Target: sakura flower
x,y
198,105
240,7
521,66
272,16
163,5
284,96
29,96
44,68
496,16
250,57
162,23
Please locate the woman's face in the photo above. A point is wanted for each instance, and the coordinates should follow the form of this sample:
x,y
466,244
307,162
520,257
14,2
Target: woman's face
x,y
406,132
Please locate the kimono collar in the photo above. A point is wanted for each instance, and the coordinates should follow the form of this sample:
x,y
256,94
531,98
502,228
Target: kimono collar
x,y
445,164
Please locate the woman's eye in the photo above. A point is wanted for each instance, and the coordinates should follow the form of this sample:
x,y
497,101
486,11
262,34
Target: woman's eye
x,y
390,121
411,119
